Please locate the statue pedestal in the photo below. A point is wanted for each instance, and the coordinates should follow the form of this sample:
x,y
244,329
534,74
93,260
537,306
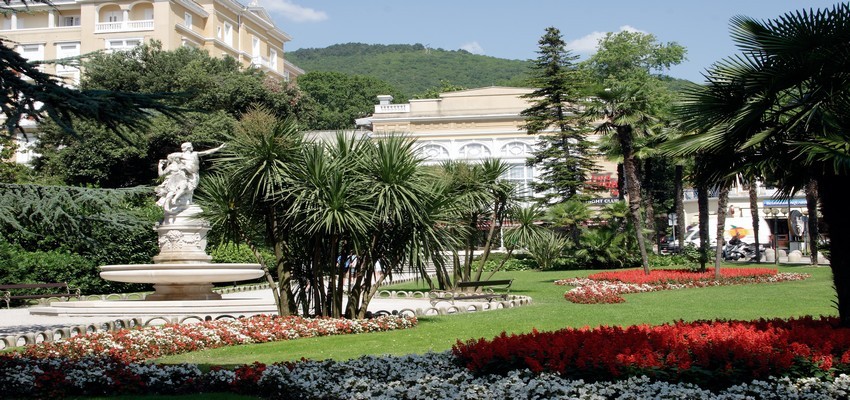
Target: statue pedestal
x,y
183,237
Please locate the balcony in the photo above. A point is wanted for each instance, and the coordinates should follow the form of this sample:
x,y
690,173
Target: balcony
x,y
124,26
392,108
259,61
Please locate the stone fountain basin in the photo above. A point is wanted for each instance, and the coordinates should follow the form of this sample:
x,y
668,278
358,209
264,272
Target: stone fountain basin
x,y
176,273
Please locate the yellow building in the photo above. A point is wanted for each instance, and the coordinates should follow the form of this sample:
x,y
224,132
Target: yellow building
x,y
70,28
470,125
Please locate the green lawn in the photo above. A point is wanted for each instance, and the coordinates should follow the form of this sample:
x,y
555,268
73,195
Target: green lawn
x,y
549,311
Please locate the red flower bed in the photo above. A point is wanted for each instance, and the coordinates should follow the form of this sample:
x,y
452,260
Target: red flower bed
x,y
606,287
709,353
662,276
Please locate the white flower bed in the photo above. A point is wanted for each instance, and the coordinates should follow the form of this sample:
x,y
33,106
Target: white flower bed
x,y
430,376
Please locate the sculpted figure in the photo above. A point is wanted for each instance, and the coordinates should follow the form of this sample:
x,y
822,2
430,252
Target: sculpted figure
x,y
181,171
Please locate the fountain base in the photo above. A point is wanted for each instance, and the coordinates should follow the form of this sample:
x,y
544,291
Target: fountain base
x,y
181,281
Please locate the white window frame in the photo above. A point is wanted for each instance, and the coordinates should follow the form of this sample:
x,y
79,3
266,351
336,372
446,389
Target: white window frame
x,y
255,47
273,59
124,46
228,33
74,19
32,52
65,50
187,20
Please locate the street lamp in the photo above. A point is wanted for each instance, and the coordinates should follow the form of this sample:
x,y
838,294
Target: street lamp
x,y
774,212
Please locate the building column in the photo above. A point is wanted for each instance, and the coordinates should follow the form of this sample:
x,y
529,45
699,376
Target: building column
x,y
51,19
125,18
14,22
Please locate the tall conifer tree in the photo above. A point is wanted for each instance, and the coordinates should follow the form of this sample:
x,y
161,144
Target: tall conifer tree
x,y
563,152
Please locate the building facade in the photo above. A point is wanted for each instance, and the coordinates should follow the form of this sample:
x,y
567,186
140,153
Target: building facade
x,y
70,28
469,125
482,123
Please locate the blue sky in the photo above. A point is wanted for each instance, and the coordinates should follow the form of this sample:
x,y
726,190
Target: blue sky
x,y
511,29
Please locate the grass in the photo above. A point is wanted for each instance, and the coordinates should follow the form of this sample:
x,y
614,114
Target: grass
x,y
549,311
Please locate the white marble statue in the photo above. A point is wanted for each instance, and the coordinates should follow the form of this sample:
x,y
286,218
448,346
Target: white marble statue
x,y
181,171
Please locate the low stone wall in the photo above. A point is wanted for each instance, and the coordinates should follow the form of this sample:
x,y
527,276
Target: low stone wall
x,y
55,334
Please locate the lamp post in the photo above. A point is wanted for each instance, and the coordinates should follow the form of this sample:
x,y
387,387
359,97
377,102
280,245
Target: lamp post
x,y
774,212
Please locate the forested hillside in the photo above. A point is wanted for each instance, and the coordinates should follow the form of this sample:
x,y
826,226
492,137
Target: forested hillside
x,y
413,69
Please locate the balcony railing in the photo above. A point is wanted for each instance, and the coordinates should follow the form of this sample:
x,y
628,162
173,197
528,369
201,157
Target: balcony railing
x,y
124,26
261,61
392,108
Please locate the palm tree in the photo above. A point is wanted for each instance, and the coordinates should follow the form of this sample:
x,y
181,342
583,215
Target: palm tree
x,y
625,119
243,202
569,216
481,200
722,200
783,104
632,102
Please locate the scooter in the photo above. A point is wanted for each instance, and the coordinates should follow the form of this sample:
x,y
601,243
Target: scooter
x,y
735,250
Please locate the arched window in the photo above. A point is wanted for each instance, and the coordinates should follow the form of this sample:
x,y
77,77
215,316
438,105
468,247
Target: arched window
x,y
516,149
474,150
434,152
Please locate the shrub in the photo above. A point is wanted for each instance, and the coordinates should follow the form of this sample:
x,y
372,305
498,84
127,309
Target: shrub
x,y
236,253
547,248
605,248
658,261
57,266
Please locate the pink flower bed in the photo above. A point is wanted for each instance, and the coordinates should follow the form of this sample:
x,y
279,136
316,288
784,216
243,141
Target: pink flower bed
x,y
145,343
607,287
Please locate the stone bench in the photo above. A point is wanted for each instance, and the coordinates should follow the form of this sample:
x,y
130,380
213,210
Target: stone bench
x,y
469,291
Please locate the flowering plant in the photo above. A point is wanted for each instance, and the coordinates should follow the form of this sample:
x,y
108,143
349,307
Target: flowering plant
x,y
428,376
713,353
606,287
157,341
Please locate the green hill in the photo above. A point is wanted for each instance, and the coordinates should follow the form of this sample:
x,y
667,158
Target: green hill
x,y
413,69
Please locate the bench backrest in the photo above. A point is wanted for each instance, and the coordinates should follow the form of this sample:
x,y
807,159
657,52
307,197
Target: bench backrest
x,y
34,286
501,282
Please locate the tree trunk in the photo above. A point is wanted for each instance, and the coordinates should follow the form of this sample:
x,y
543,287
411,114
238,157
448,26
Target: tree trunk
x,y
812,228
754,212
624,135
832,190
287,304
702,205
722,200
649,209
680,206
501,264
495,221
621,182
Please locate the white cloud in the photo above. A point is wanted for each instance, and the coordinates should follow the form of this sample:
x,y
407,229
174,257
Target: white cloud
x,y
588,44
473,47
292,11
